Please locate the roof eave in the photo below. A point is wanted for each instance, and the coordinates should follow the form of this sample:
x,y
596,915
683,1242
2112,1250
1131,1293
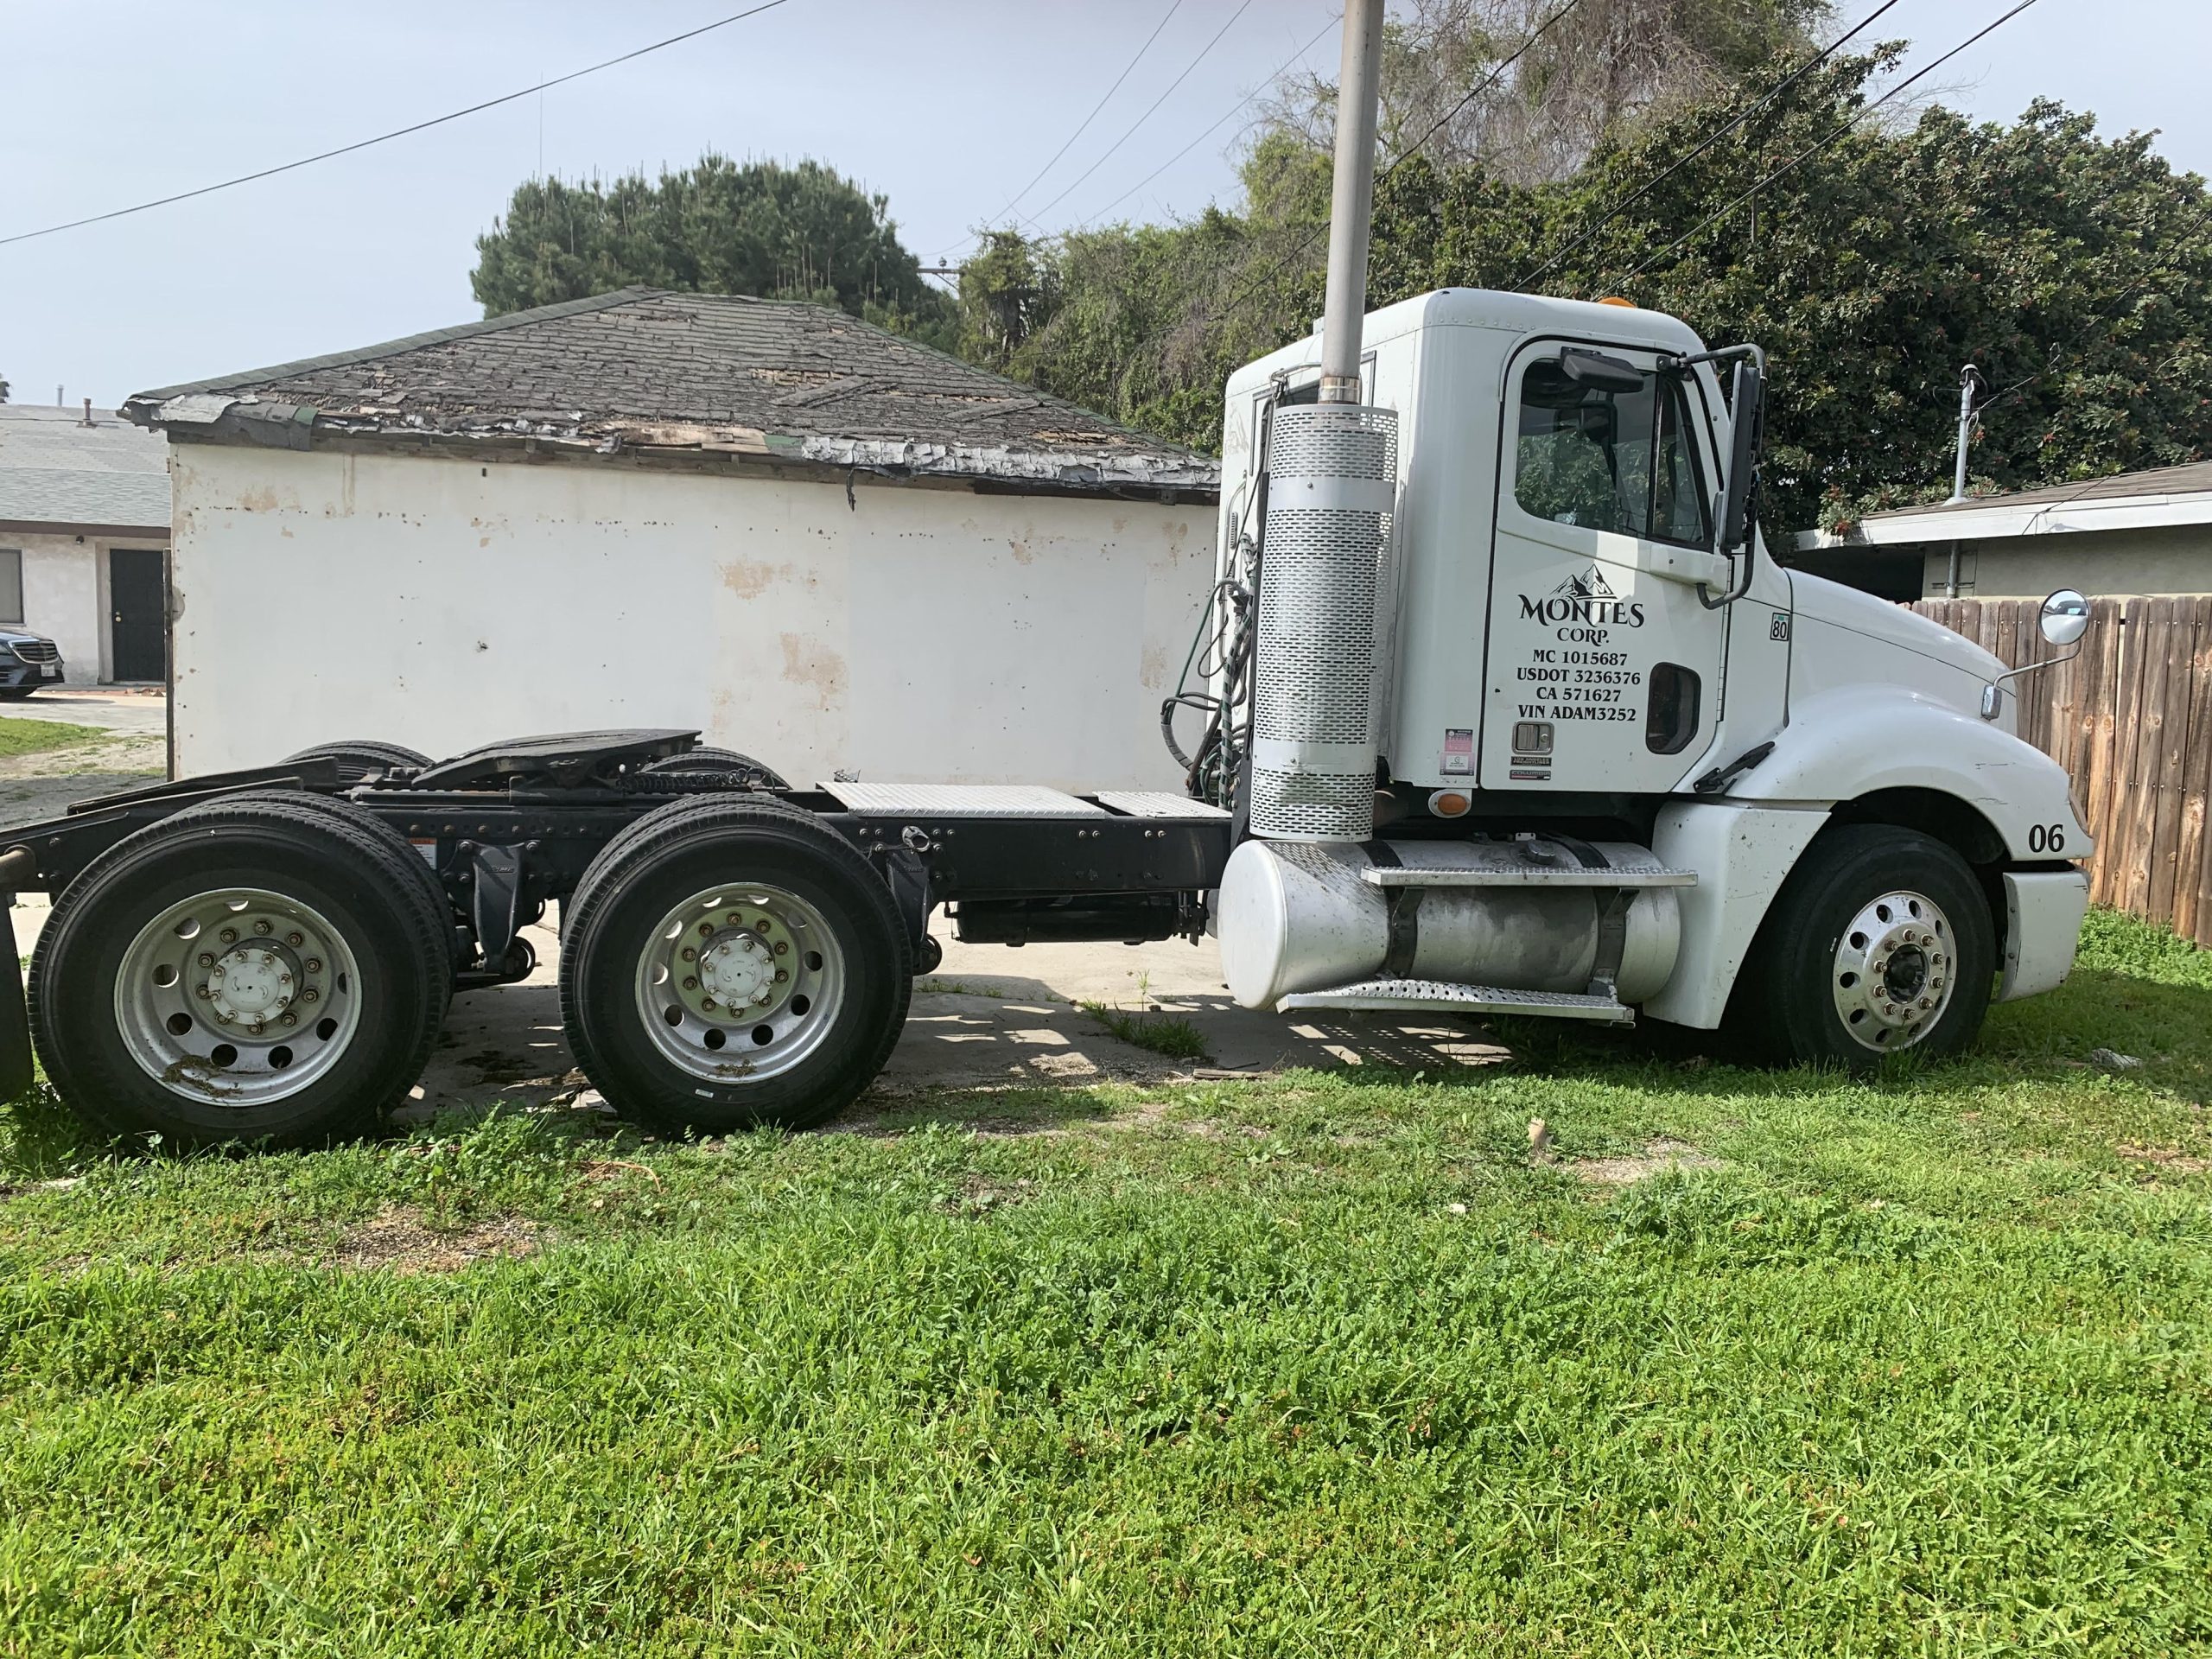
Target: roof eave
x,y
1972,523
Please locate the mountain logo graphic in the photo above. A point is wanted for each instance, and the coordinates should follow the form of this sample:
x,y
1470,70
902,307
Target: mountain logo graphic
x,y
1591,584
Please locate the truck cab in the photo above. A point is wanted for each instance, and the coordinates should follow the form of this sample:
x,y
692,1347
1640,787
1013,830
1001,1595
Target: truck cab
x,y
1566,644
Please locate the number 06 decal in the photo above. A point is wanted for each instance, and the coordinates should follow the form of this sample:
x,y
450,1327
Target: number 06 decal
x,y
2046,837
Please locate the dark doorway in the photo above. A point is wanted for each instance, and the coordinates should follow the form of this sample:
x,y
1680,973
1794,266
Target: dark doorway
x,y
139,636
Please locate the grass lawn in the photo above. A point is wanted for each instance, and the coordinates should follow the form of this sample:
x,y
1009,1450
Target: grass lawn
x,y
1759,1364
34,736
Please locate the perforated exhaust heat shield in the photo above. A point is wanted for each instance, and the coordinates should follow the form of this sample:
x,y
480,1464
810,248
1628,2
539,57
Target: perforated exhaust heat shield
x,y
1326,605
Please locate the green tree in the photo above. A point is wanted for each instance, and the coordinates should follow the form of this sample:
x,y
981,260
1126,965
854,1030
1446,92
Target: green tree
x,y
802,232
2076,271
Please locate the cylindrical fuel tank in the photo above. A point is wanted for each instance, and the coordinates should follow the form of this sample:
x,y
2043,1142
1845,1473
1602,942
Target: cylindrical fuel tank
x,y
1304,918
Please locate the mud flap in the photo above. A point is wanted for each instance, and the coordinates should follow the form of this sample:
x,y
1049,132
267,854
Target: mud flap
x,y
909,880
16,1067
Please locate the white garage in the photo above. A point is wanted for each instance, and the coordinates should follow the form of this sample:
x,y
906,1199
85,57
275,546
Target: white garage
x,y
821,544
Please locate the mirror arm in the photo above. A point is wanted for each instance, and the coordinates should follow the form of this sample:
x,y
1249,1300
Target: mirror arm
x,y
1993,695
1737,588
1756,353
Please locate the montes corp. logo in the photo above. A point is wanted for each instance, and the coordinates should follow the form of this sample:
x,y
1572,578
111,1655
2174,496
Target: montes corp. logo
x,y
1588,598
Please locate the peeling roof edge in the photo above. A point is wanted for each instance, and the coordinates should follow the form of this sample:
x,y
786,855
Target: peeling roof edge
x,y
196,416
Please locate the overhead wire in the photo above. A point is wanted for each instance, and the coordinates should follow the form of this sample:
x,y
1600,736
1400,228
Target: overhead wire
x,y
397,132
1084,126
1822,142
1288,65
1278,267
1707,143
1031,219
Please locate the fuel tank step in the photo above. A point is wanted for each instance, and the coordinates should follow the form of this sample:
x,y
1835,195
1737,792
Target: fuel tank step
x,y
1423,995
1550,875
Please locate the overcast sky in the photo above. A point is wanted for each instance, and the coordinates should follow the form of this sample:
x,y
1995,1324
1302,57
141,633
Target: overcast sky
x,y
947,107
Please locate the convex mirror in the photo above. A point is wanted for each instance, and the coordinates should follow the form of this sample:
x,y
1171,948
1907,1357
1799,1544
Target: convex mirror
x,y
2065,617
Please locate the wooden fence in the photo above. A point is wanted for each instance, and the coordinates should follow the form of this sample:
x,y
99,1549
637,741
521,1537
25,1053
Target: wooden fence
x,y
2130,718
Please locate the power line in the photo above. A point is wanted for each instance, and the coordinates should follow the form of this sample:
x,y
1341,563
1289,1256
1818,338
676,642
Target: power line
x,y
1706,144
1126,70
1031,220
1476,91
1287,66
400,132
1822,142
1481,86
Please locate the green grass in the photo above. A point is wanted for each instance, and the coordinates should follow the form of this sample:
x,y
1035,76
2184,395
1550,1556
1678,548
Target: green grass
x,y
1149,1028
34,736
1324,1365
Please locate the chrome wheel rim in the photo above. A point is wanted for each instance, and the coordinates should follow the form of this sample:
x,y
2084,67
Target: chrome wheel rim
x,y
1895,971
739,982
237,996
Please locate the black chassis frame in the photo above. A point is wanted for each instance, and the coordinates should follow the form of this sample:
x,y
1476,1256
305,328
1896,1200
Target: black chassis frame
x,y
510,826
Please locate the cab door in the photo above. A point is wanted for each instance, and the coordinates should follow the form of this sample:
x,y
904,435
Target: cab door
x,y
1604,665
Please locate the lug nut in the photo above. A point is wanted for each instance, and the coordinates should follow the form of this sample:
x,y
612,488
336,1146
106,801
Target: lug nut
x,y
762,924
261,926
222,1018
782,948
782,974
735,920
690,983
202,992
706,930
313,964
706,1002
284,979
311,995
228,935
267,959
295,940
748,944
289,1019
256,1029
206,959
690,954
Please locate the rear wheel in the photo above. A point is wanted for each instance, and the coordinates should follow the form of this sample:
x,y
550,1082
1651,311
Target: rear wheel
x,y
708,759
726,963
357,757
247,970
1880,942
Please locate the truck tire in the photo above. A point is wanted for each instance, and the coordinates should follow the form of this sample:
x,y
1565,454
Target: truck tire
x,y
421,884
1881,941
357,757
710,759
161,985
730,963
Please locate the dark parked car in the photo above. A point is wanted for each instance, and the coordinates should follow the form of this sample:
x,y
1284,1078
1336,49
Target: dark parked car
x,y
27,661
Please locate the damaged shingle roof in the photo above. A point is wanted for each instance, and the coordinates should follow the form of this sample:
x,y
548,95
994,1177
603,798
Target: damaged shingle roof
x,y
647,368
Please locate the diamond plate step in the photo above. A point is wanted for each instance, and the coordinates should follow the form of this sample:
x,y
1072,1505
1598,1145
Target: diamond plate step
x,y
1533,875
1435,995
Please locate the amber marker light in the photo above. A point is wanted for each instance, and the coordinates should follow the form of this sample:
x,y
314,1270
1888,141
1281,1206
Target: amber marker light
x,y
1450,803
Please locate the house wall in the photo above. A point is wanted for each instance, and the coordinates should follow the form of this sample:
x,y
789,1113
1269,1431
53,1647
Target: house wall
x,y
63,591
2167,559
912,634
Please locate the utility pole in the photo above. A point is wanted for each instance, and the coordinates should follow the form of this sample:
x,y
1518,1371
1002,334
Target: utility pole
x,y
1970,382
1351,202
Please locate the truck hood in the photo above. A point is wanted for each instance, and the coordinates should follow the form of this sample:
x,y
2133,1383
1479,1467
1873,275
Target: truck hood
x,y
1857,636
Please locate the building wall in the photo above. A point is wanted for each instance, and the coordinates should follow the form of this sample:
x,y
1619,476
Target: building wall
x,y
63,592
2167,559
912,634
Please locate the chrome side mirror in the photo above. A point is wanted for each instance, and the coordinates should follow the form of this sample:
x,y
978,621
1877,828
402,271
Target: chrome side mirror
x,y
2064,618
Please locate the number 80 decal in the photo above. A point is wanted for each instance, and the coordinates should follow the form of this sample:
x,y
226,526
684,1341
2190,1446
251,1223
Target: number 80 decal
x,y
2046,837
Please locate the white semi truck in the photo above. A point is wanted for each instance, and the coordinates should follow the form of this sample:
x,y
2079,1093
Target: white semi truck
x,y
1504,709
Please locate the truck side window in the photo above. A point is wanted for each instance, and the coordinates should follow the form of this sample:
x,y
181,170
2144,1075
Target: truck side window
x,y
1618,461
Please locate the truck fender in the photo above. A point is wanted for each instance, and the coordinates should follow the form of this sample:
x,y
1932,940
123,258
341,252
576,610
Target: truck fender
x,y
1742,855
1847,743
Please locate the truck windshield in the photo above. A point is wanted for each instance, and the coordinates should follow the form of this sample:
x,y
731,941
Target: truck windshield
x,y
1618,461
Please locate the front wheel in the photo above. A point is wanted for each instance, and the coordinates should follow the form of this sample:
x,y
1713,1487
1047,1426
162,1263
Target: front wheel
x,y
731,962
1881,941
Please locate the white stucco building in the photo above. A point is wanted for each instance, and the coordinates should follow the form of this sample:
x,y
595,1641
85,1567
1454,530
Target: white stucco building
x,y
824,546
83,521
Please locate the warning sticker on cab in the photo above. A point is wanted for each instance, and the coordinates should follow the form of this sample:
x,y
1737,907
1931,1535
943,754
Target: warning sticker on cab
x,y
1458,749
